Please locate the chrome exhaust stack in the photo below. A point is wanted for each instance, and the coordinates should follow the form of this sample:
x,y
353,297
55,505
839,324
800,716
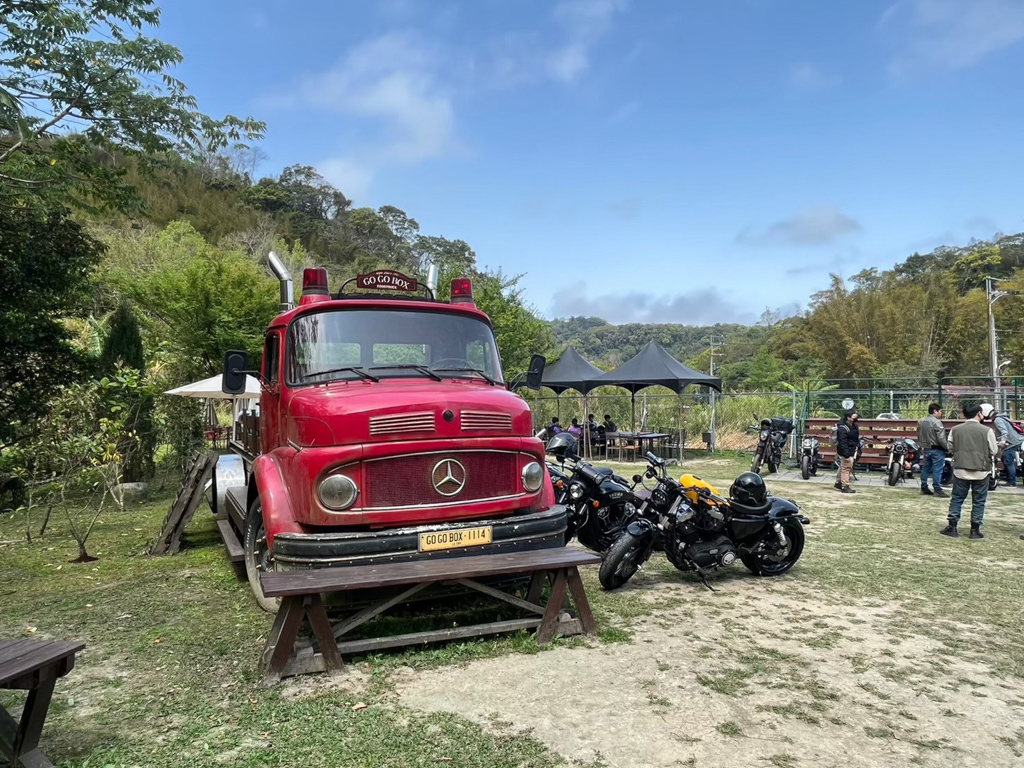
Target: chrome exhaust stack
x,y
432,274
285,278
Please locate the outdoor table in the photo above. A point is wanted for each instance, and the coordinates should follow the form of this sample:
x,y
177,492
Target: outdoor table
x,y
650,438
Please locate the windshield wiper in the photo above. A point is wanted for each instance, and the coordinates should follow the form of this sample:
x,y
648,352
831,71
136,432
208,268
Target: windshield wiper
x,y
345,369
408,367
477,371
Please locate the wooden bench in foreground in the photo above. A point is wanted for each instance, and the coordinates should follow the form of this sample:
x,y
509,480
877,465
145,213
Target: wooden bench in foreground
x,y
301,598
33,666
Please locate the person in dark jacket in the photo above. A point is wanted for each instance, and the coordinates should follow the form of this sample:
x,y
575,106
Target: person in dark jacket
x,y
931,435
847,443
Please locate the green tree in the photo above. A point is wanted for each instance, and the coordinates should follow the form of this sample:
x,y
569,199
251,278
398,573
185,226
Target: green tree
x,y
80,87
123,342
45,261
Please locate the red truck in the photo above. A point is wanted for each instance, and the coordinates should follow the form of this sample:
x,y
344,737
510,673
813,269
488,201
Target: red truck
x,y
386,433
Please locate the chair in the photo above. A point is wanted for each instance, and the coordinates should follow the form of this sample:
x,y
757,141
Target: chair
x,y
619,448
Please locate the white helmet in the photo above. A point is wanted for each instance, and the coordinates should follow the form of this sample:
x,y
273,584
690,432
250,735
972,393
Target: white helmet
x,y
987,409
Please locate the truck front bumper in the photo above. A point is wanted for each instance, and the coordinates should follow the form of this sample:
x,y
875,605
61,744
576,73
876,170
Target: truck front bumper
x,y
535,530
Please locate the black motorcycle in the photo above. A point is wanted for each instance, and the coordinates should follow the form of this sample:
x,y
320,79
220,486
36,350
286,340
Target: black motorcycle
x,y
701,531
810,457
601,504
903,455
772,436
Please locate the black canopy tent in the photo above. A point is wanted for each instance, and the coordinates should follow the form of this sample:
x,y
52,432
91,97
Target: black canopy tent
x,y
570,371
654,366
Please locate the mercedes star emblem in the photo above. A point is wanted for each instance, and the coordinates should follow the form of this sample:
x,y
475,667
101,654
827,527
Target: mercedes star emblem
x,y
448,477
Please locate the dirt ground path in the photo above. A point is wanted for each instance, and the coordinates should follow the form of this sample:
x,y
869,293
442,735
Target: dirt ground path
x,y
759,673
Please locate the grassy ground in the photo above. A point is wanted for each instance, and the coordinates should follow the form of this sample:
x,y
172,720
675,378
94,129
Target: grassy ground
x,y
170,674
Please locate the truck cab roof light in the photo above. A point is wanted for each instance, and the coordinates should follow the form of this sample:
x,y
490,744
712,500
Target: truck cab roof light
x,y
314,286
462,291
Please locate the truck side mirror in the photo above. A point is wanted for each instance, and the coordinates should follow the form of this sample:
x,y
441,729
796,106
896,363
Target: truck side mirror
x,y
236,368
536,372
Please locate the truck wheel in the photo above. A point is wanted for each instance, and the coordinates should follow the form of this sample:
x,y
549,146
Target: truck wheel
x,y
258,558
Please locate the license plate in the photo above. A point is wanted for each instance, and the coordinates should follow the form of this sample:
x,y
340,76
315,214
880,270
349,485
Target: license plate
x,y
464,537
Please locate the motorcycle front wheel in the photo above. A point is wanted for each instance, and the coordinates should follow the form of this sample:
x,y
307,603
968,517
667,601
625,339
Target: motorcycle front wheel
x,y
755,465
622,561
805,467
894,474
777,563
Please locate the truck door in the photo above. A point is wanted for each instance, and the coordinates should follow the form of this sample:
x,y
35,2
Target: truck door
x,y
270,399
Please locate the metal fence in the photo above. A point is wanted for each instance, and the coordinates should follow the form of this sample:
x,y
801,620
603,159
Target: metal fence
x,y
722,421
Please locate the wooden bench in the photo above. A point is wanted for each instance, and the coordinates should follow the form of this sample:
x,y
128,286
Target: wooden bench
x,y
33,666
301,599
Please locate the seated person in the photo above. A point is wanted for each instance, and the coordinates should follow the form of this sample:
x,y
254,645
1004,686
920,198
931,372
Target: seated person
x,y
609,425
576,430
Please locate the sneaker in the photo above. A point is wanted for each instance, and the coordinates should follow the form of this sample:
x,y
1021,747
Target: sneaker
x,y
976,532
951,531
940,494
926,490
838,486
847,490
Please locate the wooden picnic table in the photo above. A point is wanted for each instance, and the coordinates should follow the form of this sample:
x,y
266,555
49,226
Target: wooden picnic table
x,y
650,438
33,666
301,594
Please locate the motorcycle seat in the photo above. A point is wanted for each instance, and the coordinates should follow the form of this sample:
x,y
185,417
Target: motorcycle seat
x,y
743,509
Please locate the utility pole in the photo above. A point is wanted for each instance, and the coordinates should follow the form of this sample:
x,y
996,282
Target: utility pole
x,y
713,443
993,296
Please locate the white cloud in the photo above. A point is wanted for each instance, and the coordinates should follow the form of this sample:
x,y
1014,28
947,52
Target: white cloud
x,y
390,81
700,306
810,78
585,23
950,34
815,227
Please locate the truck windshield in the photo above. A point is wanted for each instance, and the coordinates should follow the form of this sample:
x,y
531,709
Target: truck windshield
x,y
348,344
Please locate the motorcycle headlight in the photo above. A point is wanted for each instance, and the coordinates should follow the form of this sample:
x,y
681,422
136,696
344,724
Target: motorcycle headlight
x,y
338,492
764,434
807,442
576,491
533,476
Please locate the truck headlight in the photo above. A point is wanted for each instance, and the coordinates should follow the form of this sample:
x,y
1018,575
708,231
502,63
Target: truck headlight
x,y
338,492
576,491
533,476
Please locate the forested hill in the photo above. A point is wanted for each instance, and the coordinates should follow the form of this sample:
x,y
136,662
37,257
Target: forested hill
x,y
925,317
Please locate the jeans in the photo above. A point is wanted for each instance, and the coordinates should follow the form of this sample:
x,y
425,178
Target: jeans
x,y
1010,462
979,495
933,464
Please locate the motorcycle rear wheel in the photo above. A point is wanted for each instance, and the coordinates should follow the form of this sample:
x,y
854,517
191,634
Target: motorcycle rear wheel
x,y
622,561
805,467
765,564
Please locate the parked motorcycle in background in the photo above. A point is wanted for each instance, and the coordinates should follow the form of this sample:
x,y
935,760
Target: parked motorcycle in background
x,y
600,502
810,457
904,453
702,531
772,436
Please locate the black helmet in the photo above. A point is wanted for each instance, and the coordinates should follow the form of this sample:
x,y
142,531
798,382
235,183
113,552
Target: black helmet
x,y
749,490
563,446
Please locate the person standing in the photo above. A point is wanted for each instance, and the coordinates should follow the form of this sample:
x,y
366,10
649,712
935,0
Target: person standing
x,y
1010,440
847,443
931,436
974,449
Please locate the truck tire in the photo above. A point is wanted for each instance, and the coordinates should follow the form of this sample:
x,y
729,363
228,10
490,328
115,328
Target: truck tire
x,y
258,558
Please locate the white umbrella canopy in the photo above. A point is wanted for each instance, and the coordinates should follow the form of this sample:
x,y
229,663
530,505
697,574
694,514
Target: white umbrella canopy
x,y
211,388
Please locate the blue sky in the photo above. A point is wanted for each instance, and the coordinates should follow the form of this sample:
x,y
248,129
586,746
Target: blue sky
x,y
679,161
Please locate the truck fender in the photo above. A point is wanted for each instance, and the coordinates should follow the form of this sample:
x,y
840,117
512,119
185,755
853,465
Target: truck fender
x,y
278,515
